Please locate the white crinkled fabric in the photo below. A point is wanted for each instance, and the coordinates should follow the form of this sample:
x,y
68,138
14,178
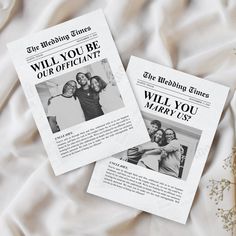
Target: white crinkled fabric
x,y
197,37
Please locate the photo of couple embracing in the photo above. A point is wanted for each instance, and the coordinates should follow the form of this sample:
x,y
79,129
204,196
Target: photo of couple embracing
x,y
170,151
79,96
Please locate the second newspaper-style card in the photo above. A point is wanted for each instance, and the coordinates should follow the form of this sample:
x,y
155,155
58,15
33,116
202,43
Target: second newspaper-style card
x,y
181,113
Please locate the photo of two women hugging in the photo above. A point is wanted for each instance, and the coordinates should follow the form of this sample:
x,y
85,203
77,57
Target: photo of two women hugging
x,y
161,154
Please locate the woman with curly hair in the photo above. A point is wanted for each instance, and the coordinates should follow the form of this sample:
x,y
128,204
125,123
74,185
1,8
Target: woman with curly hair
x,y
109,97
151,158
170,163
89,99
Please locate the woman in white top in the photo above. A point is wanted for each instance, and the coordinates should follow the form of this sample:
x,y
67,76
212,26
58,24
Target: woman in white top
x,y
109,97
170,163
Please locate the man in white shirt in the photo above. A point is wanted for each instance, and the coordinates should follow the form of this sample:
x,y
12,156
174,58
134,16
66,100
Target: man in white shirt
x,y
65,110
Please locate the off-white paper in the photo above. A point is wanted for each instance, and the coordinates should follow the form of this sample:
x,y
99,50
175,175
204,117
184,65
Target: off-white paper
x,y
181,113
78,92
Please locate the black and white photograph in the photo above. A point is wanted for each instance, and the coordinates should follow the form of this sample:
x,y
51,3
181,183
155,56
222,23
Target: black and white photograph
x,y
170,151
78,96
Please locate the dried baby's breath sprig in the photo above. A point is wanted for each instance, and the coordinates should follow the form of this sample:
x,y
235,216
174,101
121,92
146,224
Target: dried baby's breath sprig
x,y
228,217
217,190
230,162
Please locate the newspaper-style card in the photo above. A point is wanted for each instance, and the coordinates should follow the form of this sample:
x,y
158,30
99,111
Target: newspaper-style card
x,y
161,176
78,92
